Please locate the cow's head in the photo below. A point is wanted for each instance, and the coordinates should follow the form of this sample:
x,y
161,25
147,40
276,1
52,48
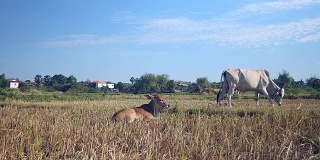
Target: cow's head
x,y
279,95
158,100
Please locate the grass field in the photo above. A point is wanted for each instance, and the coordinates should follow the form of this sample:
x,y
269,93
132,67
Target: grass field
x,y
193,128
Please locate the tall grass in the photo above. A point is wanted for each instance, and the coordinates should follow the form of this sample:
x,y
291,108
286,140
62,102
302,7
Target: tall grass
x,y
194,128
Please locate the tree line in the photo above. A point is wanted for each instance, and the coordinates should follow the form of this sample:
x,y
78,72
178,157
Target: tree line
x,y
151,83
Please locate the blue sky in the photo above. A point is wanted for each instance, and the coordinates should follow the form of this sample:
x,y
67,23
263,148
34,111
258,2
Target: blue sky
x,y
117,40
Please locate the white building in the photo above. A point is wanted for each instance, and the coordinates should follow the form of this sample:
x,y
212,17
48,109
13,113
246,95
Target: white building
x,y
110,85
100,84
13,83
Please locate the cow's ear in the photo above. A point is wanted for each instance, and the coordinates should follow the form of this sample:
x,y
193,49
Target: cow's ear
x,y
149,96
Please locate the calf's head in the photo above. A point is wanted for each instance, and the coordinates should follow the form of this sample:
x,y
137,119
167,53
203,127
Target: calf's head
x,y
279,95
158,101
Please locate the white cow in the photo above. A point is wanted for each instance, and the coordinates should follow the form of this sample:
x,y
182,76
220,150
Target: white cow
x,y
249,80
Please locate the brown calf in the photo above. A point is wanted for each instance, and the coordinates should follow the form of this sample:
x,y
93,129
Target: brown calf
x,y
145,112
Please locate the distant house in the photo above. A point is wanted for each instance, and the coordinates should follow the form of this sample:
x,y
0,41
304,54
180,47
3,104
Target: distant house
x,y
110,85
29,83
13,83
216,85
99,84
183,84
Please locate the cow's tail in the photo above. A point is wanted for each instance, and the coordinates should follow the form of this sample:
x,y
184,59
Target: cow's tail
x,y
223,76
113,118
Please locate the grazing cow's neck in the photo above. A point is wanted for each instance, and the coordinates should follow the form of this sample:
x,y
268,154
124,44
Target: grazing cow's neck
x,y
272,88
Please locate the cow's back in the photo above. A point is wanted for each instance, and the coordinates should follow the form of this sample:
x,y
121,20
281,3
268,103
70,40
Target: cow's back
x,y
125,114
131,114
245,80
143,114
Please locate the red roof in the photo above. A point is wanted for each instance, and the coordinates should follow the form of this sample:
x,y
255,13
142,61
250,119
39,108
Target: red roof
x,y
12,80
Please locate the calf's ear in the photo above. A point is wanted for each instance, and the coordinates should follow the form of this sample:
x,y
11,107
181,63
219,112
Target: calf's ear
x,y
149,96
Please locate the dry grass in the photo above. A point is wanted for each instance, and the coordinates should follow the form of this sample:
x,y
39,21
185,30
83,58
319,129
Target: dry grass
x,y
194,128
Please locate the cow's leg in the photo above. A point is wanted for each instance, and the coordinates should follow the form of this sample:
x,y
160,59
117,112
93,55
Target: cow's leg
x,y
220,94
230,93
257,98
264,91
131,116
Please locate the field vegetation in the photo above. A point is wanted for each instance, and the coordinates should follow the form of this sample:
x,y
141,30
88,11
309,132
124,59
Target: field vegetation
x,y
78,126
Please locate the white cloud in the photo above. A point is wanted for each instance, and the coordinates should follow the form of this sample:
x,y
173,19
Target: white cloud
x,y
173,30
270,7
80,40
226,33
220,31
310,38
232,30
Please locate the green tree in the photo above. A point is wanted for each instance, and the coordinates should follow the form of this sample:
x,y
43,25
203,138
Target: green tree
x,y
132,80
81,87
171,86
47,80
104,89
3,81
59,79
202,83
313,82
192,88
59,82
38,79
284,79
162,82
120,86
298,83
147,83
72,80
